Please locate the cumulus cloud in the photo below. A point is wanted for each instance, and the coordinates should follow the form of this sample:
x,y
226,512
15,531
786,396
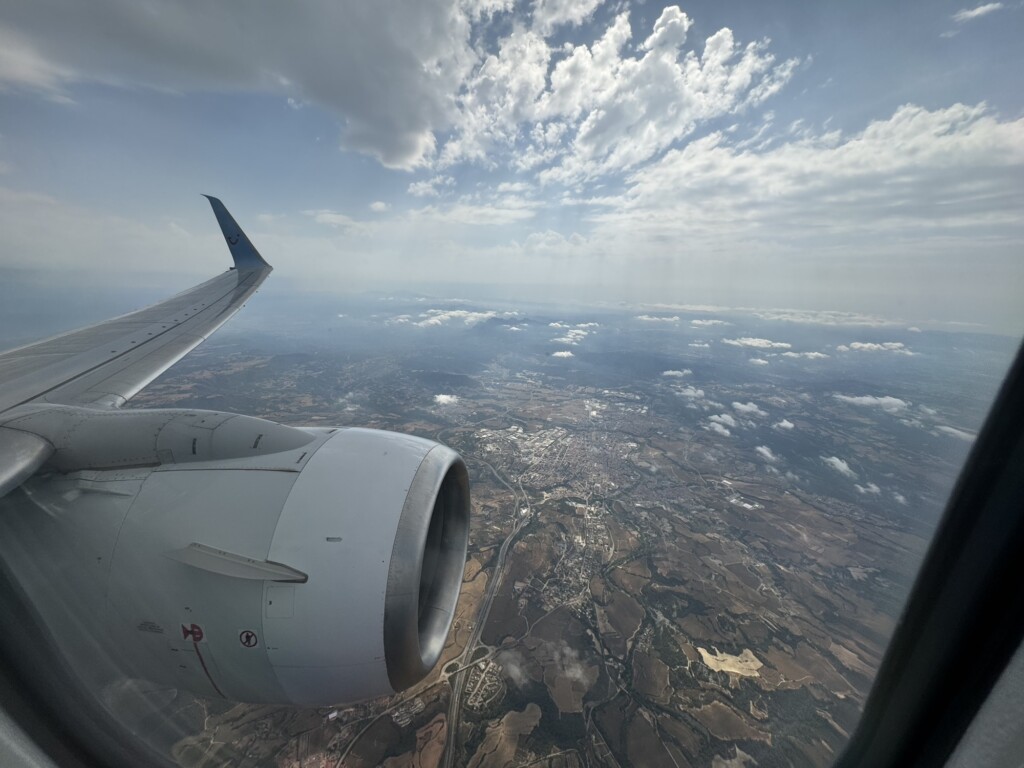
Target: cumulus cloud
x,y
655,319
706,323
839,466
870,489
758,361
514,666
439,317
430,187
379,206
784,424
579,111
562,353
691,392
766,453
899,498
572,336
749,409
677,374
806,355
968,14
550,14
699,345
724,419
446,399
886,402
714,426
960,434
897,347
748,341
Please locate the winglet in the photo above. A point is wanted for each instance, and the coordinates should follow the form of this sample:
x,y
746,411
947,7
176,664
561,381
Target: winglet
x,y
242,251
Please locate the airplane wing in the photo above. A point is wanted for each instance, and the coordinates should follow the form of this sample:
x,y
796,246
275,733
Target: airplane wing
x,y
108,363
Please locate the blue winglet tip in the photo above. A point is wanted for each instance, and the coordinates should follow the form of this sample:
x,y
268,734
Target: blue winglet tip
x,y
242,250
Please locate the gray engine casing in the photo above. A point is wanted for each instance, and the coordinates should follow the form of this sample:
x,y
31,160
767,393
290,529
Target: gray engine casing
x,y
323,573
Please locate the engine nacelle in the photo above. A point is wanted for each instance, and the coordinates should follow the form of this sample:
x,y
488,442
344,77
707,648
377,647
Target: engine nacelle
x,y
323,573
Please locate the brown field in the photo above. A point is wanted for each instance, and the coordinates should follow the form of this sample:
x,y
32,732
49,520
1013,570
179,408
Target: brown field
x,y
727,724
502,738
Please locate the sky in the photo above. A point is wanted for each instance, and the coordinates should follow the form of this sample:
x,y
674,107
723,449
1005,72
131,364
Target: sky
x,y
848,157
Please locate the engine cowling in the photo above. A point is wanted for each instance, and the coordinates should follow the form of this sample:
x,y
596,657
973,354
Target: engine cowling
x,y
324,573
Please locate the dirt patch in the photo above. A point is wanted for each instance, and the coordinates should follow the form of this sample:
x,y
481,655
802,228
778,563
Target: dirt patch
x,y
745,665
429,747
619,621
501,740
644,745
727,724
650,677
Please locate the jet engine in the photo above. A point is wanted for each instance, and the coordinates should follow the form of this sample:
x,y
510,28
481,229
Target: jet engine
x,y
234,557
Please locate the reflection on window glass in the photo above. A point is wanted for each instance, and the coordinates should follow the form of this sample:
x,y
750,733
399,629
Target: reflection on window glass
x,y
712,302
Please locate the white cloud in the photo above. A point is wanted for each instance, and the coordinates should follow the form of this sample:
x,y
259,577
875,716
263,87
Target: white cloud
x,y
749,409
562,353
439,317
446,399
886,402
677,374
699,345
821,317
573,336
748,341
334,219
839,466
806,355
705,323
766,453
550,14
897,347
714,426
960,434
967,14
22,65
507,210
784,424
588,109
725,419
869,489
317,56
935,180
655,319
430,187
758,361
379,206
691,392
899,498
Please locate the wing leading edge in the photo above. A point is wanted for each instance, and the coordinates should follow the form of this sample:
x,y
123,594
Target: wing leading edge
x,y
108,363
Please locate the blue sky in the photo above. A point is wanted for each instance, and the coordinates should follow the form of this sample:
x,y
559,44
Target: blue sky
x,y
831,156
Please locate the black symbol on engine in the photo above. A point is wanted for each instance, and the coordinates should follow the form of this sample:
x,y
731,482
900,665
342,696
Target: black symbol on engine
x,y
248,638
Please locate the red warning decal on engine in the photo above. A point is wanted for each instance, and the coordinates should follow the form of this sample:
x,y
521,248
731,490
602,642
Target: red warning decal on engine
x,y
193,633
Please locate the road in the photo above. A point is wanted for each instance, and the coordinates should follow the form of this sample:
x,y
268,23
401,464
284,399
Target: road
x,y
458,680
